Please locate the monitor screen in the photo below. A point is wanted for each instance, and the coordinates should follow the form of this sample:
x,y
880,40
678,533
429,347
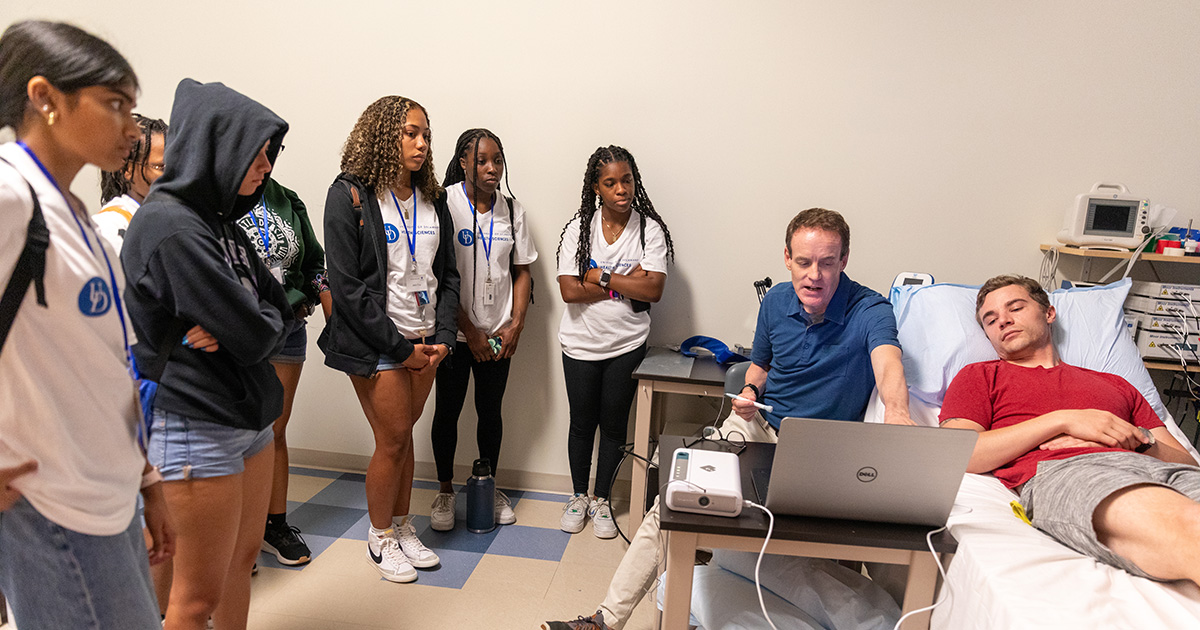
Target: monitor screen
x,y
908,281
1111,217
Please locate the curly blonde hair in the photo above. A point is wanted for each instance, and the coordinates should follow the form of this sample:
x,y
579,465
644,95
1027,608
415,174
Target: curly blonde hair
x,y
372,152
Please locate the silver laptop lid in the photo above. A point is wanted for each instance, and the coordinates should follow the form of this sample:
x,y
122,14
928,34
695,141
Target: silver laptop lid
x,y
868,471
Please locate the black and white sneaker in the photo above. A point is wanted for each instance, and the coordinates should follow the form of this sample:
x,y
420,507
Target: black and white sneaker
x,y
389,560
286,544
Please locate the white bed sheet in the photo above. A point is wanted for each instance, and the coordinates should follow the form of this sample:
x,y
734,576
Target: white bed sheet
x,y
1007,575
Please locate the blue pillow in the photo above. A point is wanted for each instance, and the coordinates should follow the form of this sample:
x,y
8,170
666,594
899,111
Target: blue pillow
x,y
939,335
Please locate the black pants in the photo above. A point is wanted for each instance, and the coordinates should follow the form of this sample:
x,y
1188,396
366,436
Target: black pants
x,y
600,394
491,377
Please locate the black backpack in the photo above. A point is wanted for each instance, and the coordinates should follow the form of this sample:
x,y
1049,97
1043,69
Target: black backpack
x,y
31,267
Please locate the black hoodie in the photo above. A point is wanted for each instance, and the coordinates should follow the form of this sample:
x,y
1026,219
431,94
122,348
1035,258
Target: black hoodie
x,y
186,264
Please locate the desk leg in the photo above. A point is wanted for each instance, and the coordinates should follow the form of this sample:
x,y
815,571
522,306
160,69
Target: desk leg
x,y
922,582
641,446
681,558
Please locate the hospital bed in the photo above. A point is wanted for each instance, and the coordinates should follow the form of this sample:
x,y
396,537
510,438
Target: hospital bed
x,y
1007,574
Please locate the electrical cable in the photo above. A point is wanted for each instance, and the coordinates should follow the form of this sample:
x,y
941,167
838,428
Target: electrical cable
x,y
1049,273
945,582
758,564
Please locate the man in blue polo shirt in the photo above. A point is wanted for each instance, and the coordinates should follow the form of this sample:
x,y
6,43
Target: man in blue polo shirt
x,y
822,343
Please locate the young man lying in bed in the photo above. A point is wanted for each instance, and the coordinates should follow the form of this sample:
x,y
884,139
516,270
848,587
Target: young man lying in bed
x,y
1094,466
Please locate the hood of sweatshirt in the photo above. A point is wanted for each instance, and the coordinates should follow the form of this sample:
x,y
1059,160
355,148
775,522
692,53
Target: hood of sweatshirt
x,y
214,136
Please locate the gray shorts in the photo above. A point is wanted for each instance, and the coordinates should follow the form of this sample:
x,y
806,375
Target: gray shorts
x,y
1061,498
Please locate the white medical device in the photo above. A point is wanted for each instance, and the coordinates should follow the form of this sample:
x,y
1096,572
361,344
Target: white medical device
x,y
705,482
1106,217
907,278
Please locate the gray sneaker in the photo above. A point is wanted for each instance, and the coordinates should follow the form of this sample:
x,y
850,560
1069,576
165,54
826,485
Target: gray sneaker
x,y
574,514
595,622
441,516
602,519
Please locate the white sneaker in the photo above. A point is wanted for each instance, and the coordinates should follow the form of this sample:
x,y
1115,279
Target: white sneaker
x,y
602,519
441,517
391,563
504,511
574,514
417,553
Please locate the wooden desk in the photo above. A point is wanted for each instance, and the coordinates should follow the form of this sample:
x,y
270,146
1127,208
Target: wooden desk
x,y
705,378
796,536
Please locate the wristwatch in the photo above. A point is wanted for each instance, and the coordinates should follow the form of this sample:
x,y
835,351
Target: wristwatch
x,y
1142,448
753,388
449,349
605,278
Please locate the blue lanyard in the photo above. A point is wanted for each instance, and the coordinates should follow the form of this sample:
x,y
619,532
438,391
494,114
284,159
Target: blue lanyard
x,y
409,237
264,233
487,245
112,277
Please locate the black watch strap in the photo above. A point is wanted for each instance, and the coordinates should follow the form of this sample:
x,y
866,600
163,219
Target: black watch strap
x,y
753,388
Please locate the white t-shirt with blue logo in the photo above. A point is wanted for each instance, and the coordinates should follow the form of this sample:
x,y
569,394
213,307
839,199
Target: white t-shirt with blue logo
x,y
471,234
403,303
66,397
609,328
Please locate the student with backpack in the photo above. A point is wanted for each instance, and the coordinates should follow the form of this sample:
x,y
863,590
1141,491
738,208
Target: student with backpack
x,y
390,252
494,251
71,548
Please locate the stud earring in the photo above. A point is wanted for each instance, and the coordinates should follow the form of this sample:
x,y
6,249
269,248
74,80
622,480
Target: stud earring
x,y
50,119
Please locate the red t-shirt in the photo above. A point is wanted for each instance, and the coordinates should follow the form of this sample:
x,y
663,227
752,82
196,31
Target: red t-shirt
x,y
998,394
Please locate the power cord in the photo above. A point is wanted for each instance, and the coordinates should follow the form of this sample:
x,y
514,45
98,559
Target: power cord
x,y
941,569
761,553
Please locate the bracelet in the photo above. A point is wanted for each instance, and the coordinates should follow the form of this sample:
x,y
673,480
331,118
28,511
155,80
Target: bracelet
x,y
753,388
151,477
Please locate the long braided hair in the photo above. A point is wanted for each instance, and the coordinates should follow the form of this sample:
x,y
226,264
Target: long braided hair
x,y
589,203
115,183
470,140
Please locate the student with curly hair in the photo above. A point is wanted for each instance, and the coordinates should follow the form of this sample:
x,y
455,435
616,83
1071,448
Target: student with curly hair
x,y
389,247
612,262
494,252
122,191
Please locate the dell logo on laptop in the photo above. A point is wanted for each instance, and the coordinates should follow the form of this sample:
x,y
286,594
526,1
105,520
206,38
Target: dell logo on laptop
x,y
867,474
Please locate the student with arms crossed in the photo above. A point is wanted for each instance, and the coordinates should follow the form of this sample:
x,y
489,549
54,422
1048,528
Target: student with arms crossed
x,y
821,344
1094,466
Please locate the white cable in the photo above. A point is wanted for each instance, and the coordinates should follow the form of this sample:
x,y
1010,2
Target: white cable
x,y
761,553
945,582
1049,275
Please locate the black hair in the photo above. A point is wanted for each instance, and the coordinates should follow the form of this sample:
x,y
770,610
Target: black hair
x,y
114,183
470,140
68,57
588,203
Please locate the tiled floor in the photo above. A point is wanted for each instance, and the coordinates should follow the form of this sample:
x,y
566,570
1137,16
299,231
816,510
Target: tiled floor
x,y
516,576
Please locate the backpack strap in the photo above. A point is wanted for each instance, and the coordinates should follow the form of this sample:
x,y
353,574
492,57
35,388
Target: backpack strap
x,y
356,200
30,268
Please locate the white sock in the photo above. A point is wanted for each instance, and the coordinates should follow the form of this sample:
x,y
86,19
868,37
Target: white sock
x,y
400,521
373,537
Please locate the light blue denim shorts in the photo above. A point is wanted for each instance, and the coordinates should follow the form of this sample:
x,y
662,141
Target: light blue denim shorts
x,y
295,345
187,448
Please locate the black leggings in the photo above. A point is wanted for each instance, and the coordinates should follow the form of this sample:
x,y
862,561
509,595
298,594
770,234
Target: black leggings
x,y
491,377
600,394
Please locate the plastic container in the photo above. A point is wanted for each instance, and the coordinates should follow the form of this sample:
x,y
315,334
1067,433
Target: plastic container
x,y
481,498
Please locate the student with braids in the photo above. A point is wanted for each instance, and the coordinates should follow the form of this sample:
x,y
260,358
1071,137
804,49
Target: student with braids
x,y
123,191
612,261
494,251
394,285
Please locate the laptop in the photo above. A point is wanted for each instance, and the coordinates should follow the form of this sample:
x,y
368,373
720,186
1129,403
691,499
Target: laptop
x,y
865,471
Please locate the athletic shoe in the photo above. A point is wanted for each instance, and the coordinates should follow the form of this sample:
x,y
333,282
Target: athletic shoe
x,y
418,554
504,511
602,519
287,545
441,517
391,563
595,622
574,514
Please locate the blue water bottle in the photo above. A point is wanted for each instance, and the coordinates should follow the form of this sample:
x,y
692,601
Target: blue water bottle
x,y
481,498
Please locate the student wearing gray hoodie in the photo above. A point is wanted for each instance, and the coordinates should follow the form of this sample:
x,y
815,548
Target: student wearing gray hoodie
x,y
191,270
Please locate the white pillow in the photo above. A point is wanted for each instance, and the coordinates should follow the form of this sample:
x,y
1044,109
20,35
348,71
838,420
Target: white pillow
x,y
939,335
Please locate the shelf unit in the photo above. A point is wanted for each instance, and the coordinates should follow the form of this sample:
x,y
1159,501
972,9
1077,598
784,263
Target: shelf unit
x,y
1088,254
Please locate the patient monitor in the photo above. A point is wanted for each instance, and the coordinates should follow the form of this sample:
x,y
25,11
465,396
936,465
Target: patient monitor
x,y
1106,217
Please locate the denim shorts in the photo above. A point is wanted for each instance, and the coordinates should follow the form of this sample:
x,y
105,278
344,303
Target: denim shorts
x,y
388,363
55,577
295,345
187,448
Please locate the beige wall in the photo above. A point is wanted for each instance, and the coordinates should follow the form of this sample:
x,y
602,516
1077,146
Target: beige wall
x,y
951,134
